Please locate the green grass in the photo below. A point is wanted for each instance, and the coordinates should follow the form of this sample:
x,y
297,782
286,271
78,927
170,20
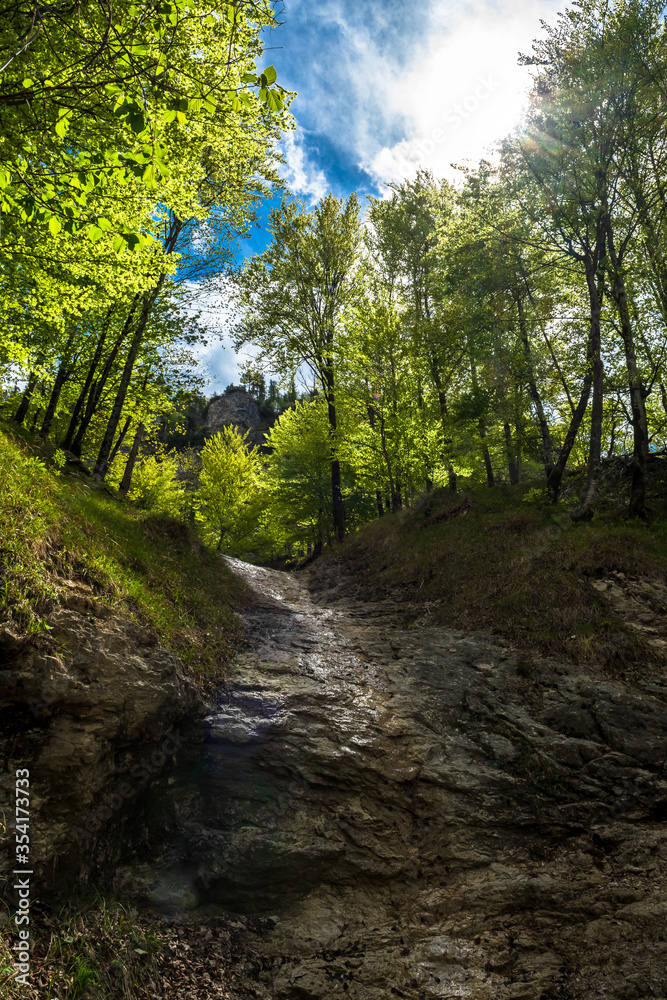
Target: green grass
x,y
56,527
503,561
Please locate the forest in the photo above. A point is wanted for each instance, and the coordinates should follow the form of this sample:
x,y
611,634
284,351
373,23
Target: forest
x,y
349,680
506,327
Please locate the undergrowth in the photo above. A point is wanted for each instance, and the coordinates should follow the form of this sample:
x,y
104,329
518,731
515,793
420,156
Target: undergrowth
x,y
56,527
84,950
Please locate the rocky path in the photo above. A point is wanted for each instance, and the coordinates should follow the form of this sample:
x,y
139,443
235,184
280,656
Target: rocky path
x,y
407,811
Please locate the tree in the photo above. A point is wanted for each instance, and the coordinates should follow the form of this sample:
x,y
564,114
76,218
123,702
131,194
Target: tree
x,y
291,299
298,475
96,91
228,495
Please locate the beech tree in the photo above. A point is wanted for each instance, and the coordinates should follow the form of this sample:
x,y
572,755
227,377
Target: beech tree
x,y
291,298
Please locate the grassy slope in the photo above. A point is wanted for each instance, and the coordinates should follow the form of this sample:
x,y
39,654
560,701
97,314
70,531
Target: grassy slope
x,y
57,526
504,561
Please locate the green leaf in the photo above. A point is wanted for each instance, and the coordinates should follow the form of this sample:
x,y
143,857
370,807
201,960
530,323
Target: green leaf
x,y
270,74
94,233
169,115
119,243
137,122
149,176
27,83
104,224
274,100
55,225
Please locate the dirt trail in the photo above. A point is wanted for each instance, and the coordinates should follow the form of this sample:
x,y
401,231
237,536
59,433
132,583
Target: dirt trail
x,y
417,812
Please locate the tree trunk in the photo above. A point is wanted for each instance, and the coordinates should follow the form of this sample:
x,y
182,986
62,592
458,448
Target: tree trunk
x,y
126,481
395,499
511,455
92,368
555,477
62,375
97,387
585,510
102,464
36,419
26,399
547,445
120,439
637,506
338,508
490,478
444,415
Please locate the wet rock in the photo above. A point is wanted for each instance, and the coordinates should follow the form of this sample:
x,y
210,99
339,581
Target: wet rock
x,y
421,819
93,713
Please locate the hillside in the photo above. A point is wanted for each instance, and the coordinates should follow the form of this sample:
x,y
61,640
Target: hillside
x,y
507,561
60,529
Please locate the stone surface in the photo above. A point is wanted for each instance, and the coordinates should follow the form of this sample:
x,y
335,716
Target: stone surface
x,y
409,811
237,408
93,713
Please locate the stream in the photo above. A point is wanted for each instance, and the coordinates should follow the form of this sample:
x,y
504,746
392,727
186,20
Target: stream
x,y
391,808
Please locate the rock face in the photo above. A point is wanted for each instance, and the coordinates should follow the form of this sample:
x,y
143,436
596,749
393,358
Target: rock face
x,y
406,811
93,714
237,408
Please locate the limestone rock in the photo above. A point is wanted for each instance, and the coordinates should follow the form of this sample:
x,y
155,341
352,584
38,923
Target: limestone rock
x,y
422,819
237,408
94,715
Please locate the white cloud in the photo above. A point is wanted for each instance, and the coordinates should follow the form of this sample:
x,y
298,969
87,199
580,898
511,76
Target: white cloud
x,y
463,90
441,88
301,176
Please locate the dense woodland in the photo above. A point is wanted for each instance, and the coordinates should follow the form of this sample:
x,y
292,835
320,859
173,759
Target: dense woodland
x,y
509,326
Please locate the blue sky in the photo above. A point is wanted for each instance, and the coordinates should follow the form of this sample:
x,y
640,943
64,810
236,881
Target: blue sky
x,y
384,87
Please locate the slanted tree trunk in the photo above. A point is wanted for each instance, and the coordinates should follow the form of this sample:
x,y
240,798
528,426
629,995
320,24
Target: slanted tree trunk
x,y
126,481
62,375
102,464
555,477
120,439
97,387
26,399
92,368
